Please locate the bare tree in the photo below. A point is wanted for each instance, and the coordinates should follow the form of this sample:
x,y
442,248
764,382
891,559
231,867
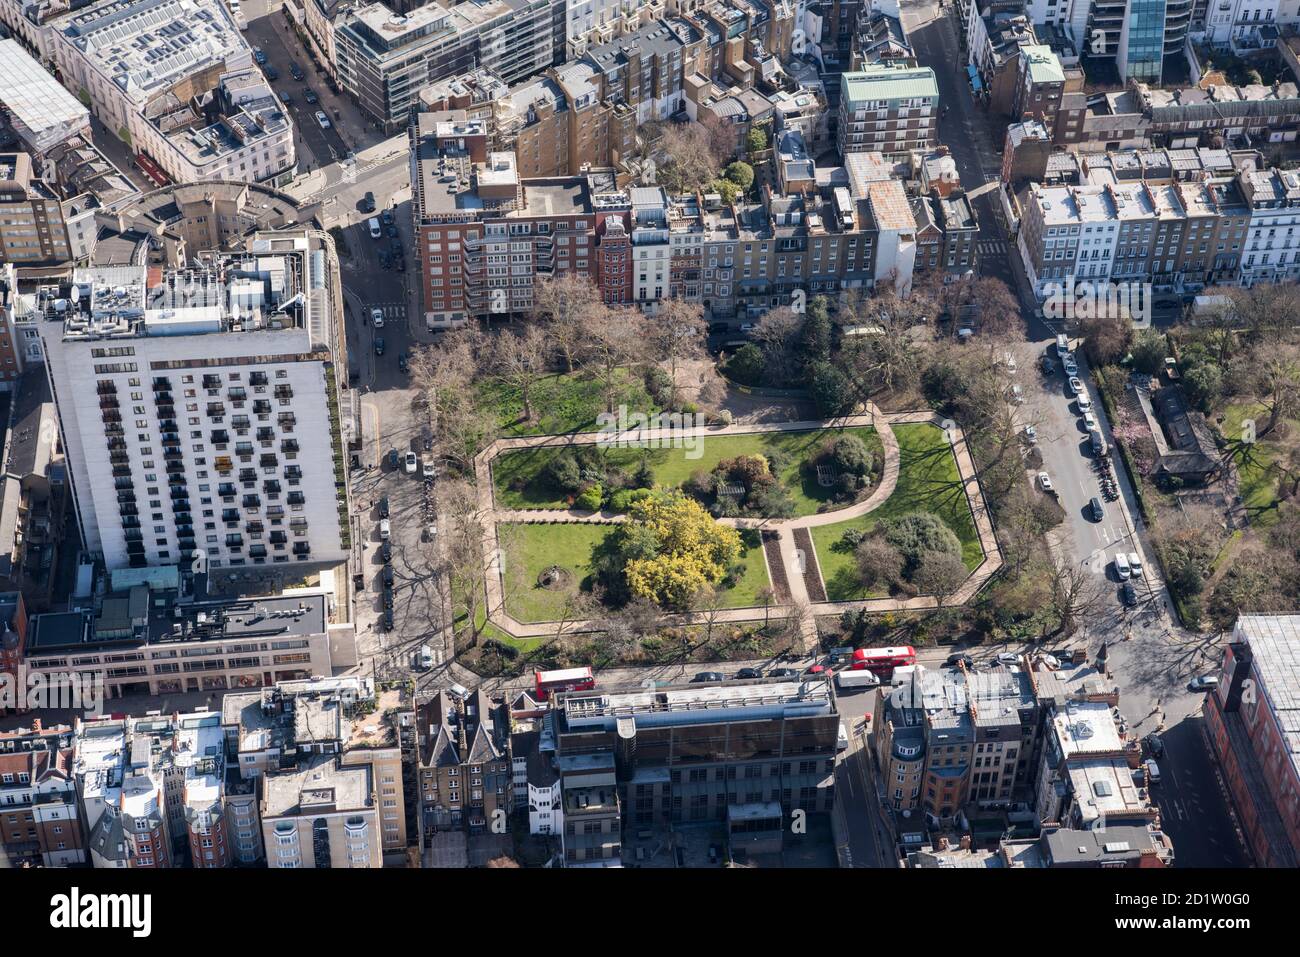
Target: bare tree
x,y
519,361
940,574
612,343
566,305
1075,594
444,377
1277,382
677,335
708,604
766,595
461,531
777,334
690,161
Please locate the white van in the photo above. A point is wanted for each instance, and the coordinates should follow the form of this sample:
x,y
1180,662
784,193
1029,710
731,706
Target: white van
x,y
856,679
1122,567
375,230
426,657
1062,345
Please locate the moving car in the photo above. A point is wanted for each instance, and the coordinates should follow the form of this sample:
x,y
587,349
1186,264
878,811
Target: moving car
x,y
379,346
322,119
401,362
412,463
705,676
1135,563
1095,507
1045,483
377,317
1075,385
1203,683
310,95
385,528
368,203
295,71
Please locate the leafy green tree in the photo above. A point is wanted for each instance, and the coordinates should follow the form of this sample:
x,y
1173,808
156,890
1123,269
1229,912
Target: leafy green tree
x,y
746,366
1149,351
756,140
917,534
740,173
690,550
831,389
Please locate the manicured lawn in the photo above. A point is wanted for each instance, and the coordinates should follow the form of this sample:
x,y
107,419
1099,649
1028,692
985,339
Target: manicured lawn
x,y
927,481
561,404
672,467
488,630
531,549
1259,484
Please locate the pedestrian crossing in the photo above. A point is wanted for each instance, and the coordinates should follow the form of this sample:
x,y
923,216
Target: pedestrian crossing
x,y
992,247
391,310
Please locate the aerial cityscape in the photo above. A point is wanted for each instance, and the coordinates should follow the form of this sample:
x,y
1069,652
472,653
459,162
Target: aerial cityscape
x,y
650,434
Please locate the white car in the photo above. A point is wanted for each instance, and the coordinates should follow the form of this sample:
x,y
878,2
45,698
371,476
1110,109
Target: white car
x,y
1008,658
1076,386
377,318
1153,771
1203,683
412,463
428,469
1045,483
385,529
1135,564
1090,422
1070,366
1050,660
1031,434
1010,361
1084,403
322,119
1122,569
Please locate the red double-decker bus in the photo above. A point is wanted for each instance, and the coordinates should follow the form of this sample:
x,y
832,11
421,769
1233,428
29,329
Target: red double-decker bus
x,y
883,661
566,679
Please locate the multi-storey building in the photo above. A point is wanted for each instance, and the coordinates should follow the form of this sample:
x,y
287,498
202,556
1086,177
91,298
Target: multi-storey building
x,y
1251,722
465,771
13,642
889,110
152,790
32,231
214,419
275,729
143,64
41,111
321,813
1272,249
485,234
384,58
1137,35
689,753
39,819
149,638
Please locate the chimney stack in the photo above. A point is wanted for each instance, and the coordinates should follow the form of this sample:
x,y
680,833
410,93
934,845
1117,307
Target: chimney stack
x,y
36,725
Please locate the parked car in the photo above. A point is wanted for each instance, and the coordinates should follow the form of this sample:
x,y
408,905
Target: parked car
x,y
1122,568
383,502
377,317
1095,507
386,551
1153,771
1084,403
310,95
783,673
1203,683
1050,660
393,459
953,660
842,738
271,72
428,469
1031,434
412,463
706,676
1090,421
1128,594
392,231
1008,658
424,659
286,99
388,575
1048,366
749,673
368,202
1154,745
1045,483
388,217
402,364
259,56
1075,385
385,528
388,619
1135,564
295,71
322,119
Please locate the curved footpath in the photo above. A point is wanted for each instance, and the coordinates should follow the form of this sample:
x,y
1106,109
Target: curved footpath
x,y
800,603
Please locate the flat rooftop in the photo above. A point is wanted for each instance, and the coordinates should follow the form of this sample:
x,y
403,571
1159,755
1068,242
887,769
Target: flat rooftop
x,y
320,785
701,703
